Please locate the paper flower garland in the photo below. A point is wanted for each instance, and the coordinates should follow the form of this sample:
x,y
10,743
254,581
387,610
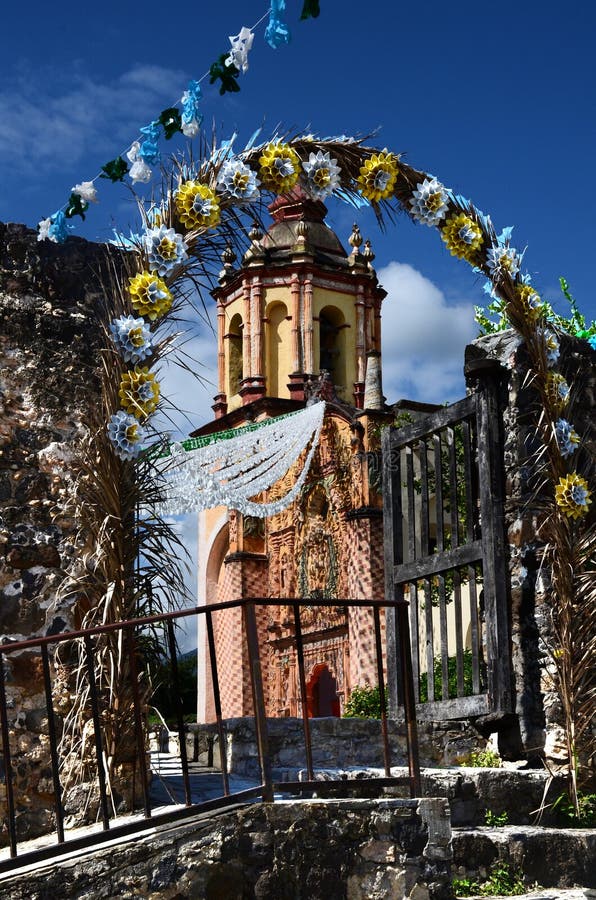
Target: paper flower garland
x,y
321,175
463,236
279,167
139,392
567,437
377,176
572,496
238,181
196,205
165,249
132,338
149,295
429,202
126,435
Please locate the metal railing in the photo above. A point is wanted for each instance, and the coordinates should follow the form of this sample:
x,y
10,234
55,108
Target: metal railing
x,y
111,824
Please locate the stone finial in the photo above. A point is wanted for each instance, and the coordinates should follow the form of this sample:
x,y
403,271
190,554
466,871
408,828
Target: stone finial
x,y
255,234
228,257
302,230
355,239
368,252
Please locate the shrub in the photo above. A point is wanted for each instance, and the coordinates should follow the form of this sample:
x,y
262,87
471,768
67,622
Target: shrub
x,y
364,703
452,677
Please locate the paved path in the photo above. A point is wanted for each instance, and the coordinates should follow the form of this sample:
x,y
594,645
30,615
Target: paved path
x,y
167,785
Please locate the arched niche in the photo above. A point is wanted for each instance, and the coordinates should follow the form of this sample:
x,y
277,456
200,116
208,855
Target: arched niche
x,y
235,363
278,350
332,346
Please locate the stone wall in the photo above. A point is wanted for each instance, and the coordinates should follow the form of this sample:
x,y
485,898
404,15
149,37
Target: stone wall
x,y
47,380
535,727
311,850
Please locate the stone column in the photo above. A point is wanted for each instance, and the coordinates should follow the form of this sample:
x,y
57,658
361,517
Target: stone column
x,y
360,349
220,405
308,326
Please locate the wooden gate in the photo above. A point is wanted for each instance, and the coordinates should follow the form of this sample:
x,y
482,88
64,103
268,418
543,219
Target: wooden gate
x,y
445,554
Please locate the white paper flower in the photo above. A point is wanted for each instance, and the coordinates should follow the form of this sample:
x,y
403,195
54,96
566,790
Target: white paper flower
x,y
191,129
86,191
165,249
321,174
502,260
132,338
139,171
241,44
43,230
125,434
238,180
429,202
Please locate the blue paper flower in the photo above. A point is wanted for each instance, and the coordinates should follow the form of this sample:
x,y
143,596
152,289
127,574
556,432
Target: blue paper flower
x,y
191,117
592,341
567,437
237,180
132,338
59,228
148,150
165,249
277,32
125,434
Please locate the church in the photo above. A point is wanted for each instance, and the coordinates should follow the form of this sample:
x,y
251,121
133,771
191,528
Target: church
x,y
299,318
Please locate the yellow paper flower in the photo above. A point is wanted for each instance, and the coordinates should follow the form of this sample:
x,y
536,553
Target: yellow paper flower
x,y
463,236
530,300
572,496
557,391
377,176
139,392
149,295
279,167
196,205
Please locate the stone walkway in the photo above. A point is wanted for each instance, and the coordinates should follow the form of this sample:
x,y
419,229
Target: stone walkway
x,y
167,785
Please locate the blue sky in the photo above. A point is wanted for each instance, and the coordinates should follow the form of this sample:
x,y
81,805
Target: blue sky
x,y
497,103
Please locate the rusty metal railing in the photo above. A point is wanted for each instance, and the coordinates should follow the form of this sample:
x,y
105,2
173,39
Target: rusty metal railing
x,y
130,631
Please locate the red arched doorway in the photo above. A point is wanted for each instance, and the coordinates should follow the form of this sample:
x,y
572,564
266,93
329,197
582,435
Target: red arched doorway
x,y
321,693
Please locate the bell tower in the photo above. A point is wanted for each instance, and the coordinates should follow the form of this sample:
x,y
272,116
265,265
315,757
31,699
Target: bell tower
x,y
296,306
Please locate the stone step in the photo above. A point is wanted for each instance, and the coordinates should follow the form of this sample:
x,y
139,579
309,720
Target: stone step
x,y
549,857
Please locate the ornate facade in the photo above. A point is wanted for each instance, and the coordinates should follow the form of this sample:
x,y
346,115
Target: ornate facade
x,y
299,318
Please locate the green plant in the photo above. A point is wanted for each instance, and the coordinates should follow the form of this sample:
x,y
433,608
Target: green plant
x,y
494,317
496,820
483,759
566,811
502,879
364,703
452,677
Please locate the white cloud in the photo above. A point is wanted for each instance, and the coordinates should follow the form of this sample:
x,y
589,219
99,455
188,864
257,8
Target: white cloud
x,y
423,337
188,395
50,118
